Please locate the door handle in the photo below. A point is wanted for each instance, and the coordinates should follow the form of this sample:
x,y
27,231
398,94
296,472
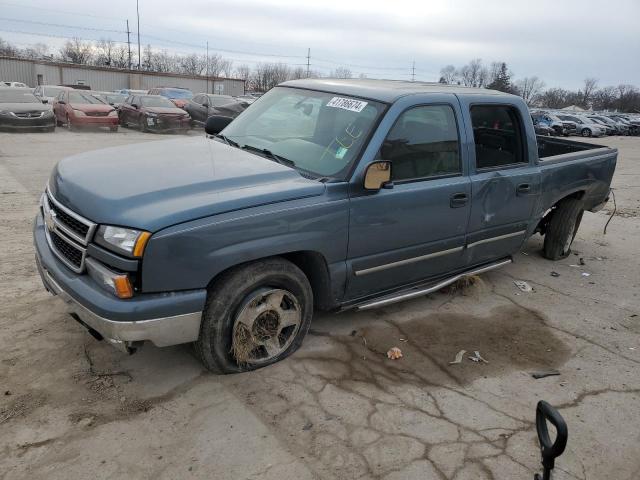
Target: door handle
x,y
523,189
458,200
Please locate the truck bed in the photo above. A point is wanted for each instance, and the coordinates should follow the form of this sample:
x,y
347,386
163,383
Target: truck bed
x,y
551,147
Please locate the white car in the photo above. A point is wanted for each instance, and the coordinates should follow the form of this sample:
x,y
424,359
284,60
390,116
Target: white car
x,y
48,93
13,84
586,126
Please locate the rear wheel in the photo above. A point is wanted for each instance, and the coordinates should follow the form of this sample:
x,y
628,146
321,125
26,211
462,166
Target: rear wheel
x,y
256,314
562,228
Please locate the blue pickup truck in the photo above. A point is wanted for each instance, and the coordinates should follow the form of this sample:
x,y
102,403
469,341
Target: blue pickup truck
x,y
323,194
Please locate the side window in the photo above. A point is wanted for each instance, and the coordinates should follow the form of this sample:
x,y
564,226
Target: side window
x,y
423,143
497,133
197,99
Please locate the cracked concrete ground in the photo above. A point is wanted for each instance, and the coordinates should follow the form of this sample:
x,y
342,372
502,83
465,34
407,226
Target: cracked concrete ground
x,y
71,407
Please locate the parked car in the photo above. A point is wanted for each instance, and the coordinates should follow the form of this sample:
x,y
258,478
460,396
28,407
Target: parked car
x,y
129,91
203,105
634,126
113,99
13,84
78,108
179,96
325,195
585,126
48,93
246,98
542,128
609,128
21,110
552,121
153,112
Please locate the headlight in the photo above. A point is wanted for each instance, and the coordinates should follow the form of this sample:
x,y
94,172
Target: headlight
x,y
47,113
113,113
124,240
79,113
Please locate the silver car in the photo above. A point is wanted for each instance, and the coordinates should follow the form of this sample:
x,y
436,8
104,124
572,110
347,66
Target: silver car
x,y
586,126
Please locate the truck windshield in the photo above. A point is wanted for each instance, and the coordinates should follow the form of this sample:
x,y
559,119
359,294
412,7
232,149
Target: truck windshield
x,y
316,132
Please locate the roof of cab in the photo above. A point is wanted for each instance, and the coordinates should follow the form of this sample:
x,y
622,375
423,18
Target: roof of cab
x,y
387,91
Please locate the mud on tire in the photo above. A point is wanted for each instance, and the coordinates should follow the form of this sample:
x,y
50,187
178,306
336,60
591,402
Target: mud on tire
x,y
236,291
562,228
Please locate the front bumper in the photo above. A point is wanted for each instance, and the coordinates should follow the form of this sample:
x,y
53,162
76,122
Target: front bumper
x,y
19,123
167,123
163,318
94,121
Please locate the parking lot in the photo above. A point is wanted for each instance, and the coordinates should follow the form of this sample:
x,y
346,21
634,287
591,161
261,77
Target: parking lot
x,y
71,407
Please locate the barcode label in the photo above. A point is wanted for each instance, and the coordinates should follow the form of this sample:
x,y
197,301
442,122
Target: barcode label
x,y
347,104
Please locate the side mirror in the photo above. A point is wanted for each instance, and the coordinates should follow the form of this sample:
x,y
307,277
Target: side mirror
x,y
62,102
134,105
44,100
216,123
378,175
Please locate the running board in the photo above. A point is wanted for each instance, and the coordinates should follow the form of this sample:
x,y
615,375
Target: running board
x,y
419,291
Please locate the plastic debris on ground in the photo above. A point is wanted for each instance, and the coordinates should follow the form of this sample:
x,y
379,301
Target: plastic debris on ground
x,y
544,374
477,358
585,274
555,274
394,353
458,358
522,285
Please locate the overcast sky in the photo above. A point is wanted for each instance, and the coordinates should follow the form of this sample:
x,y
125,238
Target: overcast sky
x,y
561,41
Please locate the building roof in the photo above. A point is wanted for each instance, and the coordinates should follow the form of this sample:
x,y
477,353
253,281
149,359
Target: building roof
x,y
387,91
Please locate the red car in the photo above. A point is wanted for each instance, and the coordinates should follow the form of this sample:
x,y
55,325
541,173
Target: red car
x,y
77,108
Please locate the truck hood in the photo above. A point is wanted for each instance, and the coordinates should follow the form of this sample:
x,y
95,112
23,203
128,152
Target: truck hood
x,y
157,184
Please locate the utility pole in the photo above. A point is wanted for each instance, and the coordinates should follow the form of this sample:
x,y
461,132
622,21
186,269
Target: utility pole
x,y
129,43
413,71
138,14
207,66
308,60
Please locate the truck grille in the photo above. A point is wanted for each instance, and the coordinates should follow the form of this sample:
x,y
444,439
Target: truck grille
x,y
68,250
67,232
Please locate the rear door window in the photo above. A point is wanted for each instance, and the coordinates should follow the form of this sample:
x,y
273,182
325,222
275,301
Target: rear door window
x,y
497,134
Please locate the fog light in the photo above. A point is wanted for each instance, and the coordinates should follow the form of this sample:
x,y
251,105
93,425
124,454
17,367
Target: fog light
x,y
116,283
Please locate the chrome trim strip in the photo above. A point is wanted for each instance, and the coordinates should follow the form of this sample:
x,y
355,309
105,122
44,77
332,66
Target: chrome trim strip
x,y
407,261
162,332
495,239
90,225
417,293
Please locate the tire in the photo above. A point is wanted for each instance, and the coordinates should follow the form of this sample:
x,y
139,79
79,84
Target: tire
x,y
143,125
68,124
562,228
248,294
585,132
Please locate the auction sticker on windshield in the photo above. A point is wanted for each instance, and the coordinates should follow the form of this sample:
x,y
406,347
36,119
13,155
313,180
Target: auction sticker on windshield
x,y
347,104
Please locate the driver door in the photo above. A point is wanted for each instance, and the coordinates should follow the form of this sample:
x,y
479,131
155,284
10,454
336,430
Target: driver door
x,y
415,230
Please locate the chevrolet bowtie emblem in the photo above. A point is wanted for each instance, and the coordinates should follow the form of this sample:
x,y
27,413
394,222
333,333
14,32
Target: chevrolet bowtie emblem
x,y
49,220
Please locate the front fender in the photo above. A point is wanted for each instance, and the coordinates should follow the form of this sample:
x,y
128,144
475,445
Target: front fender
x,y
190,255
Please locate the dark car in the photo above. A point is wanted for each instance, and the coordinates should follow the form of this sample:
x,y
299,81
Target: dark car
x,y
153,112
542,128
179,96
203,105
21,110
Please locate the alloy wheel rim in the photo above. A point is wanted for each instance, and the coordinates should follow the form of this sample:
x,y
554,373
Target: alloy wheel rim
x,y
265,326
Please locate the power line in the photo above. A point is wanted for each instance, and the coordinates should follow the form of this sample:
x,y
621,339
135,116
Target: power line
x,y
59,25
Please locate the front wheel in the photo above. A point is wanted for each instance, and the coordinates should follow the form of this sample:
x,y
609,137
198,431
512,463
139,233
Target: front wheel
x,y
256,314
586,132
562,228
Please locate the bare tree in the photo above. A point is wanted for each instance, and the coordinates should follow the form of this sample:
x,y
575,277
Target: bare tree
x,y
554,98
298,73
590,84
341,72
243,72
192,64
267,75
530,88
7,49
474,74
449,75
104,52
76,51
120,57
226,67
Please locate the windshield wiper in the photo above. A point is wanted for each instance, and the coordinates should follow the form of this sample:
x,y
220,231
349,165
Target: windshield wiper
x,y
226,140
268,153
